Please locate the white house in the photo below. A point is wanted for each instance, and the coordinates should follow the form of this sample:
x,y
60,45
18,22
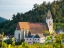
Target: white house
x,y
29,39
39,38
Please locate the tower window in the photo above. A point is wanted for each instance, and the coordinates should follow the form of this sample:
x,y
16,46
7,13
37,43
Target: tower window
x,y
50,23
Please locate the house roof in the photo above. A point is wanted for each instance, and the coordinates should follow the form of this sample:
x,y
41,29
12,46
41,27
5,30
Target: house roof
x,y
23,25
36,36
39,36
59,31
29,36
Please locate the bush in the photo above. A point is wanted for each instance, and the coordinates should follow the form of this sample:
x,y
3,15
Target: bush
x,y
8,41
18,43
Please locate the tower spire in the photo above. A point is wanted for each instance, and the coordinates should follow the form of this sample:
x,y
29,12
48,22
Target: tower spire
x,y
49,14
49,21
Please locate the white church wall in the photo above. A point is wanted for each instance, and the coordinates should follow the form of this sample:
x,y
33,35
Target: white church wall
x,y
26,33
23,34
19,32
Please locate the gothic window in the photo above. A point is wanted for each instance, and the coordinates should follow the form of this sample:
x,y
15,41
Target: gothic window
x,y
19,36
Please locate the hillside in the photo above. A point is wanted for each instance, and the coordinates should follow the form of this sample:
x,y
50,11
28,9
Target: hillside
x,y
37,14
2,19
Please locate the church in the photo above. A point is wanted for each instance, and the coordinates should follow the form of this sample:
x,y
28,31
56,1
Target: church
x,y
27,30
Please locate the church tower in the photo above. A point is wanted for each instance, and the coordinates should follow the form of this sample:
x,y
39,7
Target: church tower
x,y
49,21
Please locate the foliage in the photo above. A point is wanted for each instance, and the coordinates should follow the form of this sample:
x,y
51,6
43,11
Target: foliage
x,y
59,25
37,14
25,45
10,43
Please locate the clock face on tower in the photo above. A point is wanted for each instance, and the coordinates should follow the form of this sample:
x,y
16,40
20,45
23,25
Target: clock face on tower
x,y
50,24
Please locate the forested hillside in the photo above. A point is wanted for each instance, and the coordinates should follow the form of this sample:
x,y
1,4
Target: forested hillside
x,y
36,14
2,19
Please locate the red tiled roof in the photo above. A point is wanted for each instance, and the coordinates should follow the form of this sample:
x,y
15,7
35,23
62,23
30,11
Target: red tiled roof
x,y
23,25
34,28
37,28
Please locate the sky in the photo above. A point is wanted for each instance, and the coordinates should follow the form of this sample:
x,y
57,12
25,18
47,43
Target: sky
x,y
10,7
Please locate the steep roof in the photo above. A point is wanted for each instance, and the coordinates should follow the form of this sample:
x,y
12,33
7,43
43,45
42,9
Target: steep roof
x,y
39,36
23,25
34,28
37,28
36,36
29,36
49,14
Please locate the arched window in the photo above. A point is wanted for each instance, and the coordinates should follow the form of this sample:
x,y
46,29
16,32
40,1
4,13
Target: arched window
x,y
19,36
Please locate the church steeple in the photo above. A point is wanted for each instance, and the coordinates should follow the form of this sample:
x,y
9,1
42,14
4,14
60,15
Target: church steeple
x,y
49,21
49,14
